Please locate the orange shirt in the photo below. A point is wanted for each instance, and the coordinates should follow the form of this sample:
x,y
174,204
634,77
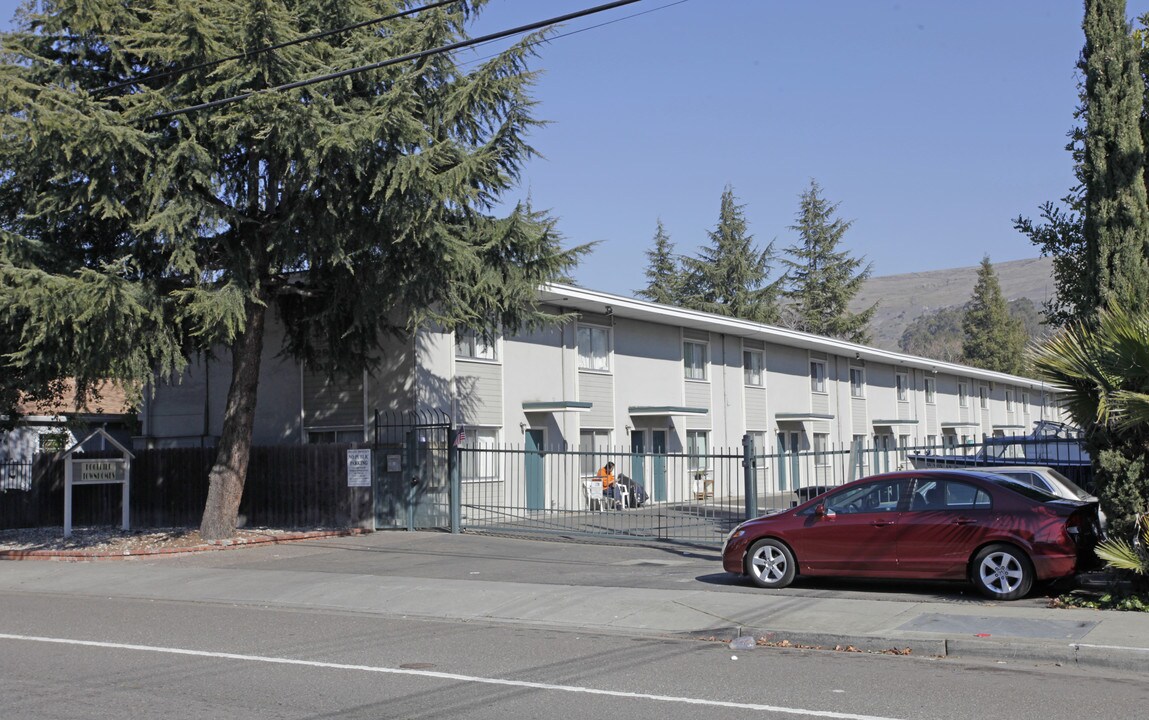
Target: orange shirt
x,y
606,476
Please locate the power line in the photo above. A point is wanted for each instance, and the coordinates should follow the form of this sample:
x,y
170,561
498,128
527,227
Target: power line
x,y
247,54
394,61
603,24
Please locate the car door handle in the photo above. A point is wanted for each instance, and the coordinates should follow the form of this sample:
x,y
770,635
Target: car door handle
x,y
882,523
965,521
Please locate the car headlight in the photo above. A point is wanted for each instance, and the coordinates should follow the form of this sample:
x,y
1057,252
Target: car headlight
x,y
738,531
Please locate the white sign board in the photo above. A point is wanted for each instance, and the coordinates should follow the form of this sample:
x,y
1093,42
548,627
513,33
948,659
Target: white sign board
x,y
94,472
358,468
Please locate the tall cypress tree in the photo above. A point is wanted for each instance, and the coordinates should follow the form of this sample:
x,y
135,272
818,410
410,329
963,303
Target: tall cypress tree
x,y
823,279
663,274
1116,211
992,338
729,277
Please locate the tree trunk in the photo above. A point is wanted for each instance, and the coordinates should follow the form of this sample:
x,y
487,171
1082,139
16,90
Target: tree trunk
x,y
225,482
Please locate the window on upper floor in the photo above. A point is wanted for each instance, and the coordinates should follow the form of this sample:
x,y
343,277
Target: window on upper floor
x,y
694,359
963,395
931,390
1009,400
593,348
983,396
752,362
474,345
857,382
817,376
1025,402
902,382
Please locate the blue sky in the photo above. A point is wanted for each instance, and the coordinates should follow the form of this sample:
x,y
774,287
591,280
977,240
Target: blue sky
x,y
932,122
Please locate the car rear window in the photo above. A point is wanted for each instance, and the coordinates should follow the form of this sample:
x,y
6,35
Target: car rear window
x,y
1022,489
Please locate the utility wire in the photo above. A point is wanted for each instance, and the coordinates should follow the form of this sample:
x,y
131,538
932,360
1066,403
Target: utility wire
x,y
394,61
559,36
247,54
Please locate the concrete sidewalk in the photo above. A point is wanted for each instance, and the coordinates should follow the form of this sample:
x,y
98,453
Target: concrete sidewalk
x,y
643,589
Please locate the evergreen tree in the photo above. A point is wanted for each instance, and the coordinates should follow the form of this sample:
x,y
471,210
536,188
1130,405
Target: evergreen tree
x,y
823,279
1060,236
136,227
992,338
664,277
729,277
936,335
1115,231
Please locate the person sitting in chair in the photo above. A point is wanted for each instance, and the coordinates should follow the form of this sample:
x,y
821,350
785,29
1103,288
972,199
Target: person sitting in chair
x,y
609,487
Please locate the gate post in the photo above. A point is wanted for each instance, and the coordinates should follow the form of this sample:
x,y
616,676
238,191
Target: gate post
x,y
749,477
455,496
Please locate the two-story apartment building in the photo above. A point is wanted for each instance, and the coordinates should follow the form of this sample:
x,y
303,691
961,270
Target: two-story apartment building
x,y
625,375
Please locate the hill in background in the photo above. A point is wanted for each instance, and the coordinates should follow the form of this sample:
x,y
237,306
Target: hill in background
x,y
903,298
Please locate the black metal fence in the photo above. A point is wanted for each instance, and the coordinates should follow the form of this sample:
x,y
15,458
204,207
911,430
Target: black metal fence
x,y
420,483
287,486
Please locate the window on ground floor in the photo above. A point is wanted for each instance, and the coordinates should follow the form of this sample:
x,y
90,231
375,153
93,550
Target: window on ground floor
x,y
478,454
593,448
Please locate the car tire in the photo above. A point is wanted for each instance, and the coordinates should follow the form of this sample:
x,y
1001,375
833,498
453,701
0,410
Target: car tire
x,y
770,564
1002,572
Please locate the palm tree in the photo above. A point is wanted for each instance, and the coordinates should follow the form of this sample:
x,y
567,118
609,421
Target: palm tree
x,y
1125,555
1103,367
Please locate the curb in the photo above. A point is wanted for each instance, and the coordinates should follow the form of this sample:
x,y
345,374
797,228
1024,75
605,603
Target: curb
x,y
81,555
1113,657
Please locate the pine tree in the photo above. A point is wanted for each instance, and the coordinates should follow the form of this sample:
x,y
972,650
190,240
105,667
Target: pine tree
x,y
1116,212
992,338
136,228
729,277
823,280
663,274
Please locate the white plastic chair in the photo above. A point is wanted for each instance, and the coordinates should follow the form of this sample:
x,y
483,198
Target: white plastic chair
x,y
592,490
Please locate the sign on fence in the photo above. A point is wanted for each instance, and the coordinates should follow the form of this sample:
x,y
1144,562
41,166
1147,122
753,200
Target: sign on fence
x,y
358,468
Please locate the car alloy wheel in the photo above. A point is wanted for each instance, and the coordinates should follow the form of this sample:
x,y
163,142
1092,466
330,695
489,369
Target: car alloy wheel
x,y
770,564
1002,572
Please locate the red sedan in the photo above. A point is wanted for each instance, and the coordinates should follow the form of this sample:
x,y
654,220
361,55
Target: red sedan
x,y
921,524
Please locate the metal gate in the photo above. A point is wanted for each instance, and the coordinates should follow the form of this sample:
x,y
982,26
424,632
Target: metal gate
x,y
413,470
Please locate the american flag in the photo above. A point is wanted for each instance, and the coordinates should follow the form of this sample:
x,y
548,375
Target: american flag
x,y
461,437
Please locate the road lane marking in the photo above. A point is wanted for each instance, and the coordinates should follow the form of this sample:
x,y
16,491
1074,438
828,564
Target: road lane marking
x,y
444,676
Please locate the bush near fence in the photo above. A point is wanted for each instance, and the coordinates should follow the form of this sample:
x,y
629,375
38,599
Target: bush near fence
x,y
290,486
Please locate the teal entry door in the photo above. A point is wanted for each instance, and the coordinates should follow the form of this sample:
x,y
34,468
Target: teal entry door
x,y
658,464
534,471
638,455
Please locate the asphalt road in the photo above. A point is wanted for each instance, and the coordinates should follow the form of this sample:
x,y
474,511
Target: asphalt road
x,y
648,566
76,656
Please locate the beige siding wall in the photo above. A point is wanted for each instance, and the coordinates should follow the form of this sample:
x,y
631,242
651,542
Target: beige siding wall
x,y
597,389
480,388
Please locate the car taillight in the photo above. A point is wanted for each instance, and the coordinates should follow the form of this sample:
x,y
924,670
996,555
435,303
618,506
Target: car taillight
x,y
1073,525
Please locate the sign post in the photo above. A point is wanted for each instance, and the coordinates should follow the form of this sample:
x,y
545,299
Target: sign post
x,y
98,471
